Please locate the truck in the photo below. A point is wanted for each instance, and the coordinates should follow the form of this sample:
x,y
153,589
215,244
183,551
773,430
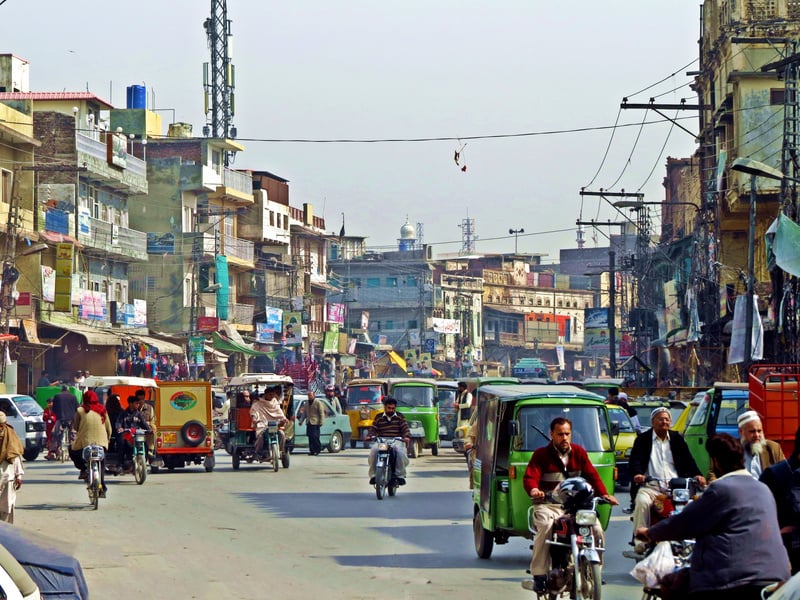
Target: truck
x,y
774,395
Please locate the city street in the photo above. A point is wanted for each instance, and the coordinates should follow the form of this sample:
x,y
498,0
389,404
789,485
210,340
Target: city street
x,y
313,530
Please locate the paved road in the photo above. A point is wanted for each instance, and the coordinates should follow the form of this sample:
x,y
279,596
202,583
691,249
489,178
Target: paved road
x,y
314,530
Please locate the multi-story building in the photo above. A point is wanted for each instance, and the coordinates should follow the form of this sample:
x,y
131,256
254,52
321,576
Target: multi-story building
x,y
85,178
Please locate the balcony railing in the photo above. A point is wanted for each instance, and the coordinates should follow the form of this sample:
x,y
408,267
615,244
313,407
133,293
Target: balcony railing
x,y
114,239
97,149
241,182
238,248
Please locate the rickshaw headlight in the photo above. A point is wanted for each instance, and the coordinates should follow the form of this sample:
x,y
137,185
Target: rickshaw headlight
x,y
586,517
682,495
364,414
415,424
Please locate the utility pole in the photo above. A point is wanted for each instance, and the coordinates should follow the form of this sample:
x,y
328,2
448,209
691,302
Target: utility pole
x,y
612,292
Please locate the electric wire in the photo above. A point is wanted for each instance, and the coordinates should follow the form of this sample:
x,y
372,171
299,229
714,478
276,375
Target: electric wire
x,y
658,160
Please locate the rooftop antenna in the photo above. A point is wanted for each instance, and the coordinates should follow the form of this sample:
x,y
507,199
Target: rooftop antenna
x,y
218,76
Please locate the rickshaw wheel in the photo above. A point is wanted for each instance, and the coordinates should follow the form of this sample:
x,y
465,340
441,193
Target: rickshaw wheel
x,y
209,462
285,460
483,539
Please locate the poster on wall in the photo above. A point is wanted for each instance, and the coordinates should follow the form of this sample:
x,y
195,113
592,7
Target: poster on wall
x,y
93,306
292,329
48,284
330,343
197,357
335,313
596,338
274,319
139,312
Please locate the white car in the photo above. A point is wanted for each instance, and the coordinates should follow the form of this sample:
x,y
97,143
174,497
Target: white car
x,y
25,415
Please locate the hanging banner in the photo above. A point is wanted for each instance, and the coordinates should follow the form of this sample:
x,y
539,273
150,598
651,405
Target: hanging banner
x,y
274,320
596,338
223,293
446,325
140,312
330,343
364,320
292,329
63,288
48,284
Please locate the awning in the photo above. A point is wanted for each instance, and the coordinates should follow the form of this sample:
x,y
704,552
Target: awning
x,y
218,356
220,342
398,360
162,346
94,335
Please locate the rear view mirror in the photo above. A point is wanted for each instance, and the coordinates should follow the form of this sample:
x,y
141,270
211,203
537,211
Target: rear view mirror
x,y
513,428
614,428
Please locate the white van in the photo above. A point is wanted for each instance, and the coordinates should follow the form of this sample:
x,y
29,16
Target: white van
x,y
25,416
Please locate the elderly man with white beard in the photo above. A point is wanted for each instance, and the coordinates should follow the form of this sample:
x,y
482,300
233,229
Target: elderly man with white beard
x,y
758,452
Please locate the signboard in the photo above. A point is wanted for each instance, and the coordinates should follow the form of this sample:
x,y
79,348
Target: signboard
x,y
197,357
140,312
48,284
335,313
160,243
63,287
93,306
446,325
117,150
22,307
264,334
207,324
596,338
330,343
364,320
274,319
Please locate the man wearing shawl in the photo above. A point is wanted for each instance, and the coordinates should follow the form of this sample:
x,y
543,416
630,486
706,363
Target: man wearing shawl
x,y
10,469
93,428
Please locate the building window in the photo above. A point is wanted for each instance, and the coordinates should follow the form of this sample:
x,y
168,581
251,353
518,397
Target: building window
x,y
272,218
391,282
373,282
5,186
412,324
777,96
389,324
412,281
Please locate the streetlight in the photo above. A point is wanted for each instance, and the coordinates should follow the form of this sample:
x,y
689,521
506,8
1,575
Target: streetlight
x,y
755,169
515,233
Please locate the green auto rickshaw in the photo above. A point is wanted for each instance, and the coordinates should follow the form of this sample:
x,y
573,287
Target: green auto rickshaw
x,y
512,422
417,401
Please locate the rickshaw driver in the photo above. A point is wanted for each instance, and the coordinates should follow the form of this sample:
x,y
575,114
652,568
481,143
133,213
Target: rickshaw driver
x,y
267,408
390,424
130,418
149,414
550,465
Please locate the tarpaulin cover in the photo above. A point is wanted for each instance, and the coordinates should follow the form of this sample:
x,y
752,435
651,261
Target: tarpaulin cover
x,y
58,575
786,245
227,345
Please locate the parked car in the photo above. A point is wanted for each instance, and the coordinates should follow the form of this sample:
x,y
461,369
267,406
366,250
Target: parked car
x,y
335,431
625,434
25,416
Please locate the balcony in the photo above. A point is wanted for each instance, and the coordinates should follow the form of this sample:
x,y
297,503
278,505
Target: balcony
x,y
113,239
94,155
239,252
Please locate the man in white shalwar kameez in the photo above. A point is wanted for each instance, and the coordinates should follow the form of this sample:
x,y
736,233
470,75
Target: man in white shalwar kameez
x,y
10,469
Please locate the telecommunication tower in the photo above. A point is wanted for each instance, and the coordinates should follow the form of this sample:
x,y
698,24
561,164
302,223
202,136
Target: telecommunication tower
x,y
218,75
468,236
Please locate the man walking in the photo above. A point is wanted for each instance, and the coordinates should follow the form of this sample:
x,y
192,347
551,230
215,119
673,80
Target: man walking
x,y
315,417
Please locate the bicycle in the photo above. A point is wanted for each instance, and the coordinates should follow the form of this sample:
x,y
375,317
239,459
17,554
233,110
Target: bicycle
x,y
66,440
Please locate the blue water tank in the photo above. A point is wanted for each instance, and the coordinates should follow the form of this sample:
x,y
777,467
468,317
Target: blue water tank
x,y
137,96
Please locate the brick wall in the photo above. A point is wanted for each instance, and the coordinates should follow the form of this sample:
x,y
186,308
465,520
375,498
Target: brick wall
x,y
189,149
56,131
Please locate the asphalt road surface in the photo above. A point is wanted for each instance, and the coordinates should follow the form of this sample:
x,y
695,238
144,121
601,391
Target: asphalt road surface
x,y
313,530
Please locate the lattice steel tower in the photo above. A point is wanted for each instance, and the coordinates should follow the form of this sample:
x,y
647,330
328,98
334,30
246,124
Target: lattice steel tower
x,y
218,75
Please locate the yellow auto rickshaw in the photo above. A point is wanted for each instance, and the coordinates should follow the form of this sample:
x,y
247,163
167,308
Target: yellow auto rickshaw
x,y
364,400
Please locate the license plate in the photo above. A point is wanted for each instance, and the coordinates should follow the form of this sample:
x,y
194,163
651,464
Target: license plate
x,y
169,437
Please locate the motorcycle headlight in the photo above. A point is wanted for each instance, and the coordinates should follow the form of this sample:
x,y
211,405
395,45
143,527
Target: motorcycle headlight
x,y
682,495
383,447
586,517
585,531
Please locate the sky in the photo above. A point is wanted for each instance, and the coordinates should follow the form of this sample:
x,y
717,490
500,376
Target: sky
x,y
528,92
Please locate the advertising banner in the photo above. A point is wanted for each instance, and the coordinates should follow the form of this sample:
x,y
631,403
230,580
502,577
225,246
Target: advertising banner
x,y
292,329
197,355
335,313
446,325
330,343
596,338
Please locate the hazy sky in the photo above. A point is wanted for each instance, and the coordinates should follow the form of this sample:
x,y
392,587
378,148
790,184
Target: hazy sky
x,y
367,70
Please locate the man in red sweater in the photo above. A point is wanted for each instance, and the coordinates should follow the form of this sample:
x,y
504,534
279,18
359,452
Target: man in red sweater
x,y
550,465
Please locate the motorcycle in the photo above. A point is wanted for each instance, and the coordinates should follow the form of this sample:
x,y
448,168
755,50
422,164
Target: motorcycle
x,y
385,478
94,455
574,552
270,449
137,463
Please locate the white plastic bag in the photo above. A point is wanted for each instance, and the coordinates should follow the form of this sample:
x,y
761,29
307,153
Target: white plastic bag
x,y
655,565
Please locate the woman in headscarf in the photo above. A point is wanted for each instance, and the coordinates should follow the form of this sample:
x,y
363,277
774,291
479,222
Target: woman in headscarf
x,y
10,469
93,428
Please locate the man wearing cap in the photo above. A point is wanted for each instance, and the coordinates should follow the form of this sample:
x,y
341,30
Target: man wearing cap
x,y
758,452
330,394
660,453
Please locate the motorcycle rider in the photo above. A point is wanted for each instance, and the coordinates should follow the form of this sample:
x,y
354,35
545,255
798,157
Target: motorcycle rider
x,y
738,546
661,453
130,418
93,428
550,465
390,424
267,408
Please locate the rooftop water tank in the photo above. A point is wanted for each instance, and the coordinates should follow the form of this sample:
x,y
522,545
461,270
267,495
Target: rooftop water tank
x,y
136,96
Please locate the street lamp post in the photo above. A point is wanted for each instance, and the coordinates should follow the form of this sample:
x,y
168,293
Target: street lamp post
x,y
515,233
755,169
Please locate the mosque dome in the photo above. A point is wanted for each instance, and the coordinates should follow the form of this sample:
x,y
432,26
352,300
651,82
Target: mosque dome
x,y
407,232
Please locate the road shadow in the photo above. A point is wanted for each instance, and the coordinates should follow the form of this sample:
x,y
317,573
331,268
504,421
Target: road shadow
x,y
445,545
53,507
427,474
452,506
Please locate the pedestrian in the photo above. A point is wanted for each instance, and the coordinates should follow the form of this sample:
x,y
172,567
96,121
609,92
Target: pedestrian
x,y
315,417
49,418
44,380
10,469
